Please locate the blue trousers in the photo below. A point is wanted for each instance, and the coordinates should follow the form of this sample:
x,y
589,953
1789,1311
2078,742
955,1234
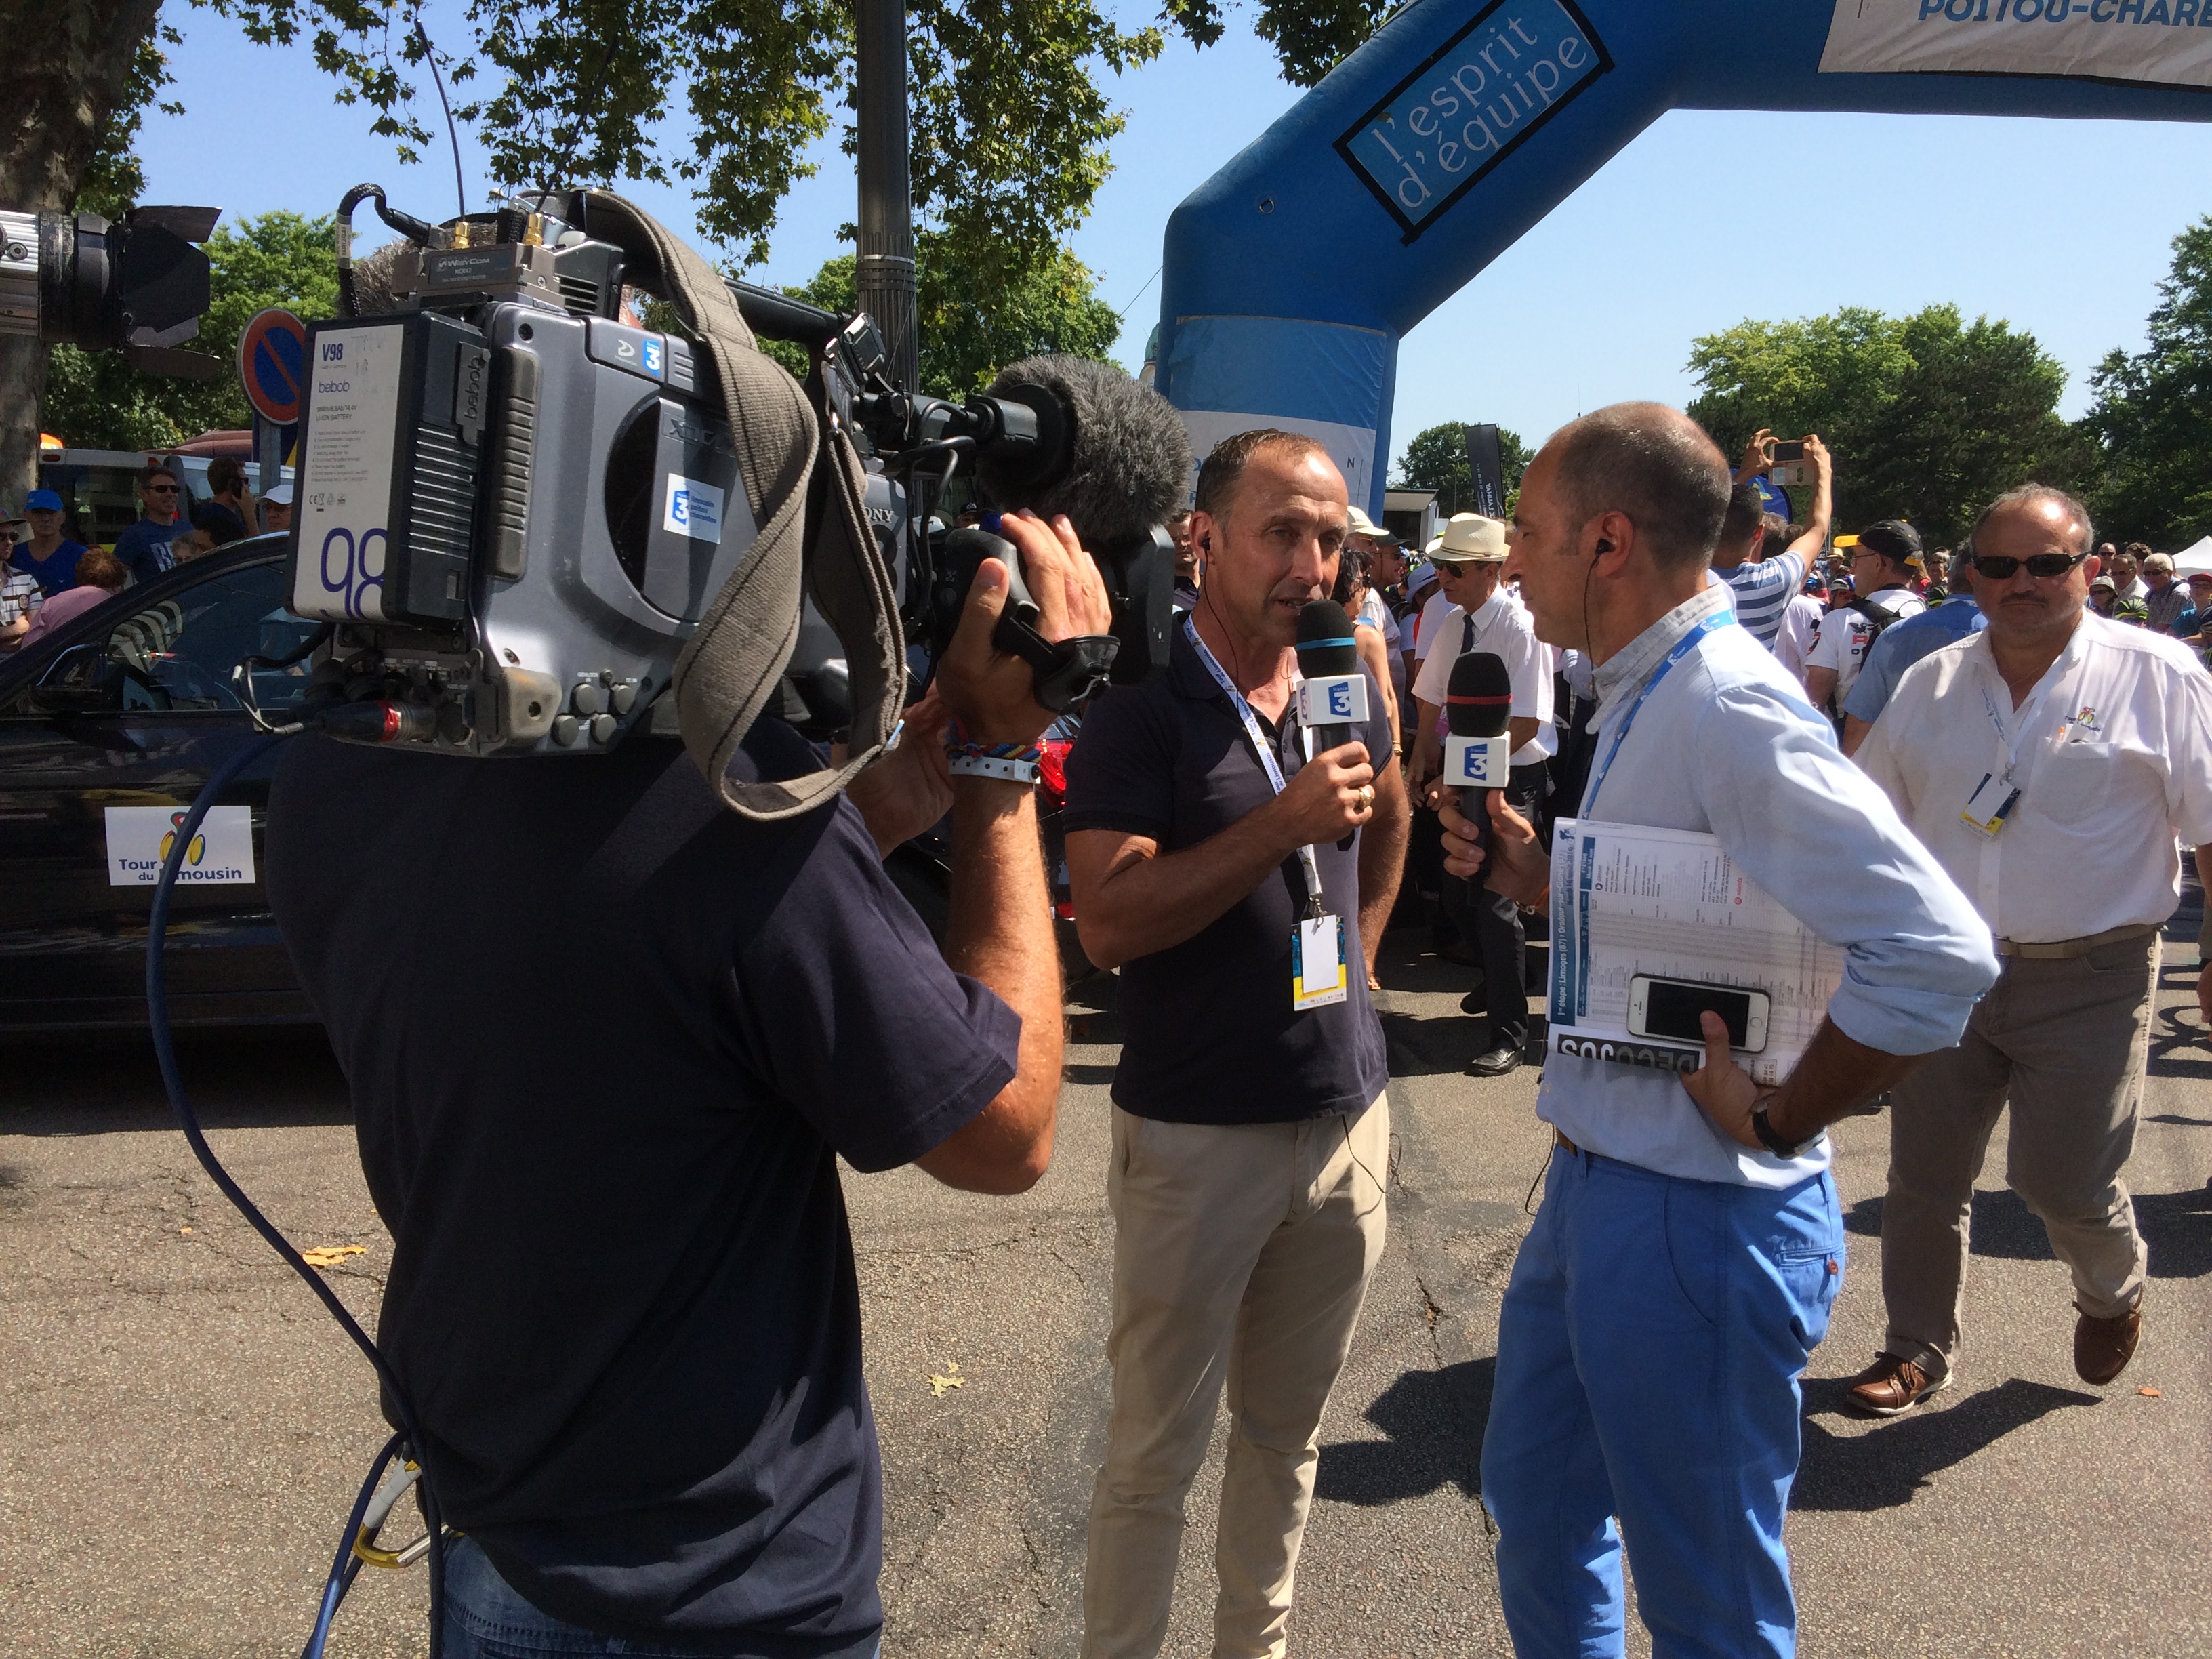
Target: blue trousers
x,y
487,1619
1647,1356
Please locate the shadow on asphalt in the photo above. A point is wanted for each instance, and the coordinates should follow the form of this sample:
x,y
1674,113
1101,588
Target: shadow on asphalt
x,y
2175,1227
106,1082
1884,1466
1434,1420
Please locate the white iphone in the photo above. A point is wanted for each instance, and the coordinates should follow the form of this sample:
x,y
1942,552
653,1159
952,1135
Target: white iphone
x,y
1669,1008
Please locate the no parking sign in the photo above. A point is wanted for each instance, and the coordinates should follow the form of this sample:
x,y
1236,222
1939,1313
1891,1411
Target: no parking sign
x,y
272,363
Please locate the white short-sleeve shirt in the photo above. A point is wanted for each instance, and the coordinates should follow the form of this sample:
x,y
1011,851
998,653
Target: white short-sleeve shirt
x,y
1845,634
2111,753
1502,625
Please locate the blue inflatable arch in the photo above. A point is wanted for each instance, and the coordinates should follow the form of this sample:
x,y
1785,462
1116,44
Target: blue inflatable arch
x,y
1463,122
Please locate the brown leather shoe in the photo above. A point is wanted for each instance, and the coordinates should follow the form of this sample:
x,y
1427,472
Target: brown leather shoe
x,y
2102,1347
1891,1386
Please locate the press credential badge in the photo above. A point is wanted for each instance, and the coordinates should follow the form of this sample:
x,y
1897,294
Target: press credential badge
x,y
1317,970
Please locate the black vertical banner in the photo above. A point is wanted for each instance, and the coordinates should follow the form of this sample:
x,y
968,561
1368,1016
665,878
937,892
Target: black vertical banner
x,y
1487,463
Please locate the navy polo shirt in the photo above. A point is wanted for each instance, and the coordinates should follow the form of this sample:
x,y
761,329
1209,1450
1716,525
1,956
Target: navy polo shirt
x,y
1210,1037
605,1039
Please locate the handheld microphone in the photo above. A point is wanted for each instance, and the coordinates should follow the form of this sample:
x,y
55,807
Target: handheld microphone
x,y
1333,696
1477,755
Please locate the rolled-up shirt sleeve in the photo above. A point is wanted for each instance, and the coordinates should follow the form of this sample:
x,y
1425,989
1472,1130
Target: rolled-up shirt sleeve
x,y
1816,832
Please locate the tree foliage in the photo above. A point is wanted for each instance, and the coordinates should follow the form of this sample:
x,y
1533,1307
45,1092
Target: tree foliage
x,y
95,400
966,336
1435,459
1928,417
2153,412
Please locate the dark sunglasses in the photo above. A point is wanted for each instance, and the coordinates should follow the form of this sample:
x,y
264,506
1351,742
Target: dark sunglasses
x,y
2044,565
161,489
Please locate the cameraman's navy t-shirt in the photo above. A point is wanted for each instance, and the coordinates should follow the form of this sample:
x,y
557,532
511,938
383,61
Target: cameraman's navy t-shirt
x,y
1210,1034
605,1039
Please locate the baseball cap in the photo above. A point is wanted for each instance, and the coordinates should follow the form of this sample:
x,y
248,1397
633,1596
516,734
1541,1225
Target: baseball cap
x,y
1892,539
2105,581
281,494
1470,538
42,501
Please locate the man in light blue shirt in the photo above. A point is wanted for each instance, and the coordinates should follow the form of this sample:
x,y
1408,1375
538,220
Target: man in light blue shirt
x,y
1690,1244
1905,643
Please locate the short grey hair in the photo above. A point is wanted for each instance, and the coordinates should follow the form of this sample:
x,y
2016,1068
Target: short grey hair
x,y
1956,567
2028,495
1656,465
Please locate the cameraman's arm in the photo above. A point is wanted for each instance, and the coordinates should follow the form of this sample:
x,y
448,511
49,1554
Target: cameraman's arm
x,y
1000,930
1001,934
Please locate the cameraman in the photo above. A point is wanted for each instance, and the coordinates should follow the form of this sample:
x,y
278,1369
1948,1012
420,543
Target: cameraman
x,y
605,1040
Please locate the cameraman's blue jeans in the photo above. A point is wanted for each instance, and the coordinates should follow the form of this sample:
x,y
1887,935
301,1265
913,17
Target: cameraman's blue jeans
x,y
486,1618
1648,1355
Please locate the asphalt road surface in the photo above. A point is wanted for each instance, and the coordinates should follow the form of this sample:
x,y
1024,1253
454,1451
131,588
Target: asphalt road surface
x,y
182,1428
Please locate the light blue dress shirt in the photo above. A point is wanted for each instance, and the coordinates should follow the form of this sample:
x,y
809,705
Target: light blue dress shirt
x,y
1905,643
1726,744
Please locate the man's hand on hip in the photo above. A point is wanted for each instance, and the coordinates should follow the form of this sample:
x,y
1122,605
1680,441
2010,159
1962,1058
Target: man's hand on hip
x,y
1722,1089
992,694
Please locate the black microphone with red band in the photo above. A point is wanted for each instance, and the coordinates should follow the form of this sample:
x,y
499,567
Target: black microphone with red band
x,y
1477,755
1333,700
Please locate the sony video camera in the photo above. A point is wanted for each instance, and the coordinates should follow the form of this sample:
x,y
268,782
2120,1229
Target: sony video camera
x,y
514,504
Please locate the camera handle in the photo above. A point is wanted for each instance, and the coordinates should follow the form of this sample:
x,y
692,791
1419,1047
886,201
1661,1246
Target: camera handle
x,y
1066,674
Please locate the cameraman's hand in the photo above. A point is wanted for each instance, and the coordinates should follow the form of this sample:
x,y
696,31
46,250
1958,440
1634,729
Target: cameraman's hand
x,y
907,788
991,694
1332,796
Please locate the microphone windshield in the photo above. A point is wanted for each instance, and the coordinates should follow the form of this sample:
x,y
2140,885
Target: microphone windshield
x,y
1127,464
1325,644
1480,697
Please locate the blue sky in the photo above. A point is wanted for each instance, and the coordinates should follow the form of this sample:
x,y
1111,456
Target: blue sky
x,y
2061,227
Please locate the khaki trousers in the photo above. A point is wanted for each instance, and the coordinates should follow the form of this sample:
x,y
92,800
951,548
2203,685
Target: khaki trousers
x,y
1241,1257
2064,1043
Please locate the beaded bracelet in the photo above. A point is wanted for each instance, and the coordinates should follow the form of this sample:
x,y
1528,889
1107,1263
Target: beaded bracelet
x,y
1010,762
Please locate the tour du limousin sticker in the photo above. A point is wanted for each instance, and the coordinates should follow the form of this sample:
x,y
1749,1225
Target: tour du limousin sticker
x,y
139,839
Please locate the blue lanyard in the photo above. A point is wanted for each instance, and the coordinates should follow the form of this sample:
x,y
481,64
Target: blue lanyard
x,y
1260,744
1681,651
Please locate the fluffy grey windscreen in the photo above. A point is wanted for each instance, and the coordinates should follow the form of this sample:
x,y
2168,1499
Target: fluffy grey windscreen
x,y
1129,455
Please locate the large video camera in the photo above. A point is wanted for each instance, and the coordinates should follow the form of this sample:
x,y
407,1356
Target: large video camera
x,y
138,285
515,503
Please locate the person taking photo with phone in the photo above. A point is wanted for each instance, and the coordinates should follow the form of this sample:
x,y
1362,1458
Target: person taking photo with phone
x,y
1690,1246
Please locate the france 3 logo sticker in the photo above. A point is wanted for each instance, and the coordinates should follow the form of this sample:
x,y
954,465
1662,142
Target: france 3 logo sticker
x,y
139,839
693,509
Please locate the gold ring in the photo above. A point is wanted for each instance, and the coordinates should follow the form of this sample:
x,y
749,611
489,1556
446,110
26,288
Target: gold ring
x,y
1366,797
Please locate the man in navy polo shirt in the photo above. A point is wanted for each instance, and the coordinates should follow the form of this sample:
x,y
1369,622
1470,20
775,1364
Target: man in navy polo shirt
x,y
49,557
623,1292
1213,861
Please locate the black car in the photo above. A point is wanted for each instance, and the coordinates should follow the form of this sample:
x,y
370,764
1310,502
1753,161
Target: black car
x,y
108,728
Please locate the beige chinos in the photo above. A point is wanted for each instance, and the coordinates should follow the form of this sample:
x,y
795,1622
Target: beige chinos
x,y
1241,1257
2064,1044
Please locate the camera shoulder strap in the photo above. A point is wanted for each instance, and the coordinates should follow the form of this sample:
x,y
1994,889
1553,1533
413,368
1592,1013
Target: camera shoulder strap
x,y
800,472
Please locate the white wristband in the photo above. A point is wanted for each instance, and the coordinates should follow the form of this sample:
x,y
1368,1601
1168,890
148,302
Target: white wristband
x,y
1006,769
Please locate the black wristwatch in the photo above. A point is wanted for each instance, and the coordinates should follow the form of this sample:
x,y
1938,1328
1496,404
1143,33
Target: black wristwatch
x,y
1769,1138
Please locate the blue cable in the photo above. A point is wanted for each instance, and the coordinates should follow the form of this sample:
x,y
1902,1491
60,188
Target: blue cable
x,y
157,1018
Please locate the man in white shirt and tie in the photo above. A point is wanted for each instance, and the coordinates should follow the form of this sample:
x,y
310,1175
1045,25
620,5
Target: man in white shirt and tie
x,y
2021,757
1485,616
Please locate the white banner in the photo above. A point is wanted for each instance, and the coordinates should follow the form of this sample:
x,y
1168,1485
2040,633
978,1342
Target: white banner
x,y
2156,42
139,839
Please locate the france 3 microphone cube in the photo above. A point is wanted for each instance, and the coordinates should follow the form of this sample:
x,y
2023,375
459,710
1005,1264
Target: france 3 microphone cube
x,y
1477,755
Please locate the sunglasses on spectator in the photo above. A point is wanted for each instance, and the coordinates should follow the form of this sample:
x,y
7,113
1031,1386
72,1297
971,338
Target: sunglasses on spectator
x,y
161,489
2044,565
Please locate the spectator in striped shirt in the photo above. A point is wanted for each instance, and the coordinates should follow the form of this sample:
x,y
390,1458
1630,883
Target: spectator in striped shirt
x,y
18,594
1762,588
